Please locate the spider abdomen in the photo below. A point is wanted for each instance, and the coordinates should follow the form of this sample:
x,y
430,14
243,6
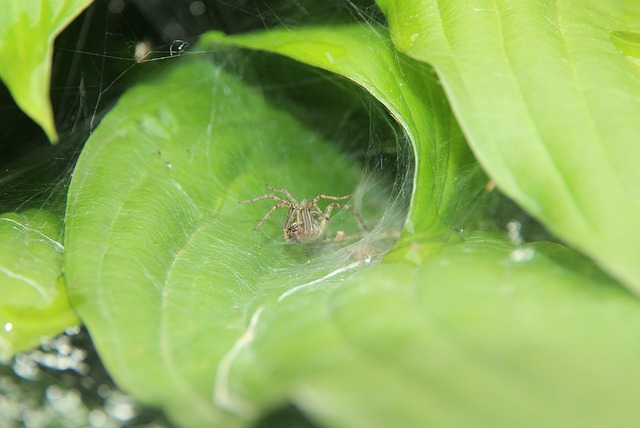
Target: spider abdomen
x,y
304,223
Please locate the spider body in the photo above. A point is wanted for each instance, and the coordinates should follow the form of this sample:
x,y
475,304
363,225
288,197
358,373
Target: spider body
x,y
305,221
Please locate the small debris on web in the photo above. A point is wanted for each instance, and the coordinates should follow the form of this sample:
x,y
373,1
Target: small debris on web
x,y
514,228
522,253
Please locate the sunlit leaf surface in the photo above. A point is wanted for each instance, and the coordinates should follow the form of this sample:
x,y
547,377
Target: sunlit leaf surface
x,y
27,31
33,300
192,311
548,95
450,339
470,337
411,93
162,262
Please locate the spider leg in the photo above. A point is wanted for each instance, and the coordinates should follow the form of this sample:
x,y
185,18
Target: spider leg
x,y
358,218
259,198
331,206
331,198
283,191
284,204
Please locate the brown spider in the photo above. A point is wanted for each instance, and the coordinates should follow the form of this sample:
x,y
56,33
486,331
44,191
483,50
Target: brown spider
x,y
305,221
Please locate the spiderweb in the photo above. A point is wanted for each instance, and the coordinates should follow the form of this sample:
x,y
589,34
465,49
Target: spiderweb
x,y
116,44
101,54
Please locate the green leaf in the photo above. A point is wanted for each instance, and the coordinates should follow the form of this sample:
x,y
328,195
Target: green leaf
x,y
412,95
548,96
161,261
470,337
34,302
193,312
27,31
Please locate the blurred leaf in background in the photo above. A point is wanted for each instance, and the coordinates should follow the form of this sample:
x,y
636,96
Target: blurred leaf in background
x,y
34,300
27,31
550,104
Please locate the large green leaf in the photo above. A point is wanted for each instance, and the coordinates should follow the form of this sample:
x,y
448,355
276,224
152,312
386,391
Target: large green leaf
x,y
466,338
548,95
27,31
484,344
34,301
412,95
193,312
161,260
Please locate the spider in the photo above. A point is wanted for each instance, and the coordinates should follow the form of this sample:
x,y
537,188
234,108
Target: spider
x,y
305,221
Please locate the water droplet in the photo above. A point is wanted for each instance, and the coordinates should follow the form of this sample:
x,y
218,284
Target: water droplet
x,y
97,418
104,391
8,327
120,407
25,367
72,331
627,42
